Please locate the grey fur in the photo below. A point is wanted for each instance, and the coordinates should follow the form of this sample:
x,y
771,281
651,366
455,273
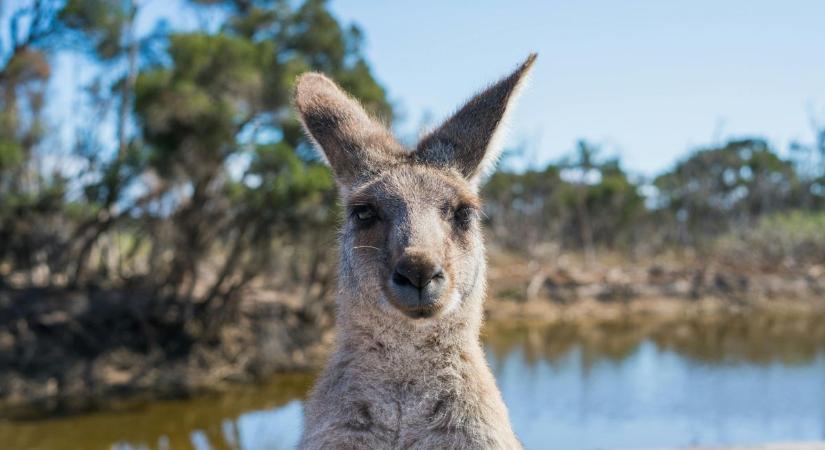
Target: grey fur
x,y
464,141
394,381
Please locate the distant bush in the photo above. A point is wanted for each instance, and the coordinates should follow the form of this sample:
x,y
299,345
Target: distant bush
x,y
791,239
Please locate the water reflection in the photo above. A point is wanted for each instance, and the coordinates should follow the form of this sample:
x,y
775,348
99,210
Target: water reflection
x,y
656,398
268,416
723,339
636,384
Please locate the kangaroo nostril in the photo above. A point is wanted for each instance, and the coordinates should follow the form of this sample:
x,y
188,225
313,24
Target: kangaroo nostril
x,y
416,275
430,274
400,279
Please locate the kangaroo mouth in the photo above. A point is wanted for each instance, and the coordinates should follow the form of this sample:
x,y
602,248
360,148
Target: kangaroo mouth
x,y
415,303
417,312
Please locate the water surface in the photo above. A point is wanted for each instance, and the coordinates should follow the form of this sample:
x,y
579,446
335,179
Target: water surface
x,y
632,385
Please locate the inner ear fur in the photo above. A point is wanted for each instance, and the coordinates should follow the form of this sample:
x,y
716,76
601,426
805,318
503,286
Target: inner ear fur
x,y
354,144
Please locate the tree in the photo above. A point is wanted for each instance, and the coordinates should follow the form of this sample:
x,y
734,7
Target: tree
x,y
105,31
221,102
209,180
30,201
718,187
809,160
583,169
581,202
526,208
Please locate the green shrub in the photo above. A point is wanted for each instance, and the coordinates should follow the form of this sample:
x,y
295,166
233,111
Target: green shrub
x,y
792,238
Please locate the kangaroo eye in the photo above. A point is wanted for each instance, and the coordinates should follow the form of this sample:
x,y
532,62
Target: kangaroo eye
x,y
464,215
364,213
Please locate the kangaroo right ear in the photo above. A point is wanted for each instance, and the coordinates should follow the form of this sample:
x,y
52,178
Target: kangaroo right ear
x,y
471,140
355,145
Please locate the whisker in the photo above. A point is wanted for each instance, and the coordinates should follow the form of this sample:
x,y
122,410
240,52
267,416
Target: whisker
x,y
366,246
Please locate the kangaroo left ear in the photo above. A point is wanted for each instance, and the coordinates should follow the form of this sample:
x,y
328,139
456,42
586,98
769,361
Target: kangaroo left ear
x,y
471,140
355,145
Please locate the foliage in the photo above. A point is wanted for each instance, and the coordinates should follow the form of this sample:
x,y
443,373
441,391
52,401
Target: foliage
x,y
582,201
717,187
792,239
100,24
211,183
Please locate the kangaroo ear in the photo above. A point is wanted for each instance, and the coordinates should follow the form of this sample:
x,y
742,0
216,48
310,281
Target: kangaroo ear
x,y
355,145
471,140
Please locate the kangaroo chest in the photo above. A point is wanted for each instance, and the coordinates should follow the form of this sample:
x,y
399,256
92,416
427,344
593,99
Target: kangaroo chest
x,y
402,410
401,395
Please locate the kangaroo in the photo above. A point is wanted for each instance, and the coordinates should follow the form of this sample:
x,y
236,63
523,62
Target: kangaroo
x,y
408,370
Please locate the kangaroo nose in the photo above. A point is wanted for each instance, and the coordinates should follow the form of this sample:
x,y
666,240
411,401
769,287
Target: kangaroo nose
x,y
416,273
417,284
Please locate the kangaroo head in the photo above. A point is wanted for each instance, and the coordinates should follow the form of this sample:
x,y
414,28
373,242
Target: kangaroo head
x,y
411,241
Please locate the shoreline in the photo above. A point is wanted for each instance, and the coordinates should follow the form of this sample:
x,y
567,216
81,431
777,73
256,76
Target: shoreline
x,y
716,340
589,311
276,333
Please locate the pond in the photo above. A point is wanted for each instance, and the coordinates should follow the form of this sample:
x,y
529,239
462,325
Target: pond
x,y
627,386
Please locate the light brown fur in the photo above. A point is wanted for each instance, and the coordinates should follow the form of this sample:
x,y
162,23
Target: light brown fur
x,y
408,370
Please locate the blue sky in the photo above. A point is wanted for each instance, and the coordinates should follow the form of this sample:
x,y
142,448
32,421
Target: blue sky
x,y
648,80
